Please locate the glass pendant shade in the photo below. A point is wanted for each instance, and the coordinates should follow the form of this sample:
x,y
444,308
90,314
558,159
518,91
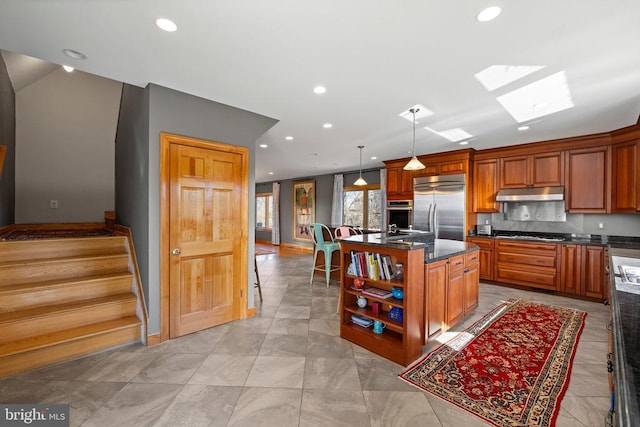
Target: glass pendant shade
x,y
414,164
360,180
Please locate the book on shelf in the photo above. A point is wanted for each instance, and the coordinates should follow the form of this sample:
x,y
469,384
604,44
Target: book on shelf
x,y
377,292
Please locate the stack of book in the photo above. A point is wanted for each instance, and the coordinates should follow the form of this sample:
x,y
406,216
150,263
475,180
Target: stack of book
x,y
377,292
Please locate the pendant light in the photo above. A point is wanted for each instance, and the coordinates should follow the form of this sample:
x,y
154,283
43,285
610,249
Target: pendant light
x,y
414,164
360,180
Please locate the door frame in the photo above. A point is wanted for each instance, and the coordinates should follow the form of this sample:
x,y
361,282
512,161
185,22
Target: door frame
x,y
166,139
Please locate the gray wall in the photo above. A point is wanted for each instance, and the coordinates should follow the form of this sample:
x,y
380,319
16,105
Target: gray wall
x,y
324,199
65,132
182,114
8,138
132,173
614,224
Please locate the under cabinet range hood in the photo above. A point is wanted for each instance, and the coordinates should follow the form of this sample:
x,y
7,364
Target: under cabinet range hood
x,y
531,194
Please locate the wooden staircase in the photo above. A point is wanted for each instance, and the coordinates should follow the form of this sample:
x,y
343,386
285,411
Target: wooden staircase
x,y
63,298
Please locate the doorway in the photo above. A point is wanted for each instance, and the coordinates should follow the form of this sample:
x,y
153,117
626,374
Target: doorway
x,y
204,205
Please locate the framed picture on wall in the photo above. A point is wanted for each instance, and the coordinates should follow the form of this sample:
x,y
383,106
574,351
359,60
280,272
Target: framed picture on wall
x,y
304,209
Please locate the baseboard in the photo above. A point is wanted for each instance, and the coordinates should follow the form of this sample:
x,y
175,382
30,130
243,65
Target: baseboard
x,y
265,242
153,339
297,247
251,312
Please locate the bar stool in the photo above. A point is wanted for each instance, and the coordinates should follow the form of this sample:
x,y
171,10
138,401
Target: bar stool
x,y
257,284
328,247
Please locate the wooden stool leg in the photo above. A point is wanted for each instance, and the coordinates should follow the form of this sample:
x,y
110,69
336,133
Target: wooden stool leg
x,y
257,285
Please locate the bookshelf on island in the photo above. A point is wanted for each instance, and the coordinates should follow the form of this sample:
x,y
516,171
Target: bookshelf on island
x,y
398,336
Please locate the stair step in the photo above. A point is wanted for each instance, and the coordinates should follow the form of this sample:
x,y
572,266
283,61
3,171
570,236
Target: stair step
x,y
17,325
35,352
56,248
30,295
19,272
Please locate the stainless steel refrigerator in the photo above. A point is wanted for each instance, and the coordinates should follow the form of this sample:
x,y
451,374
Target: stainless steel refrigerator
x,y
439,205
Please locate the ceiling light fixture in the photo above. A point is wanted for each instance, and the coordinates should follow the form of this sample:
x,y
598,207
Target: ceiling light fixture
x,y
74,54
166,25
67,68
463,142
488,14
327,125
319,90
360,180
288,138
263,145
414,164
523,128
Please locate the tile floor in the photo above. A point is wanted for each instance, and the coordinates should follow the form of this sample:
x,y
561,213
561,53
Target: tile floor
x,y
285,367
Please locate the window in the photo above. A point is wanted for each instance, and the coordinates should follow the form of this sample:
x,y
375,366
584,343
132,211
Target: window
x,y
264,211
363,206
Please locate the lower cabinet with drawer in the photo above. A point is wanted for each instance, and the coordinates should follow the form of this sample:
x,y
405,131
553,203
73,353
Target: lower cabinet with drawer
x,y
451,291
528,263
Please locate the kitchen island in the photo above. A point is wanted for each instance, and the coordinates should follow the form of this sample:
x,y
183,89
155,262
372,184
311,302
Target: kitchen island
x,y
371,261
625,329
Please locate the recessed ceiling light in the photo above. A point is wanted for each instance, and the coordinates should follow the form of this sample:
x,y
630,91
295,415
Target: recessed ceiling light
x,y
421,112
463,142
319,90
74,54
67,68
523,128
270,173
263,145
327,125
288,138
496,76
488,14
166,25
537,99
374,158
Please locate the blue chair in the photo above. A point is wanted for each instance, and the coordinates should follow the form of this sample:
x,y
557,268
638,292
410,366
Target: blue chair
x,y
326,246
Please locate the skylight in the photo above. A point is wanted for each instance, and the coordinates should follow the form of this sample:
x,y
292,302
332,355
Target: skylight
x,y
540,98
496,76
453,135
421,112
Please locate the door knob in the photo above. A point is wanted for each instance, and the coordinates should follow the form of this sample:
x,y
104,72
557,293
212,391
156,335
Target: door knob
x,y
176,251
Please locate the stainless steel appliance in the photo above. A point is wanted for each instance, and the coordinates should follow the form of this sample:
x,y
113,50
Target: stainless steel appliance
x,y
439,205
400,213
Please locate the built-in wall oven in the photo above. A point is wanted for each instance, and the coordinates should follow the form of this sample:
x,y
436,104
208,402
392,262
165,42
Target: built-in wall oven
x,y
400,213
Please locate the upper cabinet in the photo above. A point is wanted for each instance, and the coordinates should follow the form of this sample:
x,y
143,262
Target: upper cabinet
x,y
588,180
625,197
399,181
485,186
533,170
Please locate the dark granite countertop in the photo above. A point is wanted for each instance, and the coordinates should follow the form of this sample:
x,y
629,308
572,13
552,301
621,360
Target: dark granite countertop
x,y
625,311
589,239
434,250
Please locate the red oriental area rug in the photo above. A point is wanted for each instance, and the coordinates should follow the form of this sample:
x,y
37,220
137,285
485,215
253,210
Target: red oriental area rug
x,y
511,368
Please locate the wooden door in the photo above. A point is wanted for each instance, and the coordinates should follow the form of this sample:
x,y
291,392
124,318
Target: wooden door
x,y
547,169
514,172
435,281
570,274
485,183
587,180
593,271
471,290
455,296
205,231
624,186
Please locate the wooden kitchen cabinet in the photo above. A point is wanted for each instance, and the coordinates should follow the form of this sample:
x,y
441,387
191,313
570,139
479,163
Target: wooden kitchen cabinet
x,y
588,180
533,170
528,263
455,291
436,278
399,181
451,292
485,186
584,271
485,256
626,175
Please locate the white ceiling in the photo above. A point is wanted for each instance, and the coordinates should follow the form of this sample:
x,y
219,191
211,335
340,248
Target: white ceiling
x,y
376,58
